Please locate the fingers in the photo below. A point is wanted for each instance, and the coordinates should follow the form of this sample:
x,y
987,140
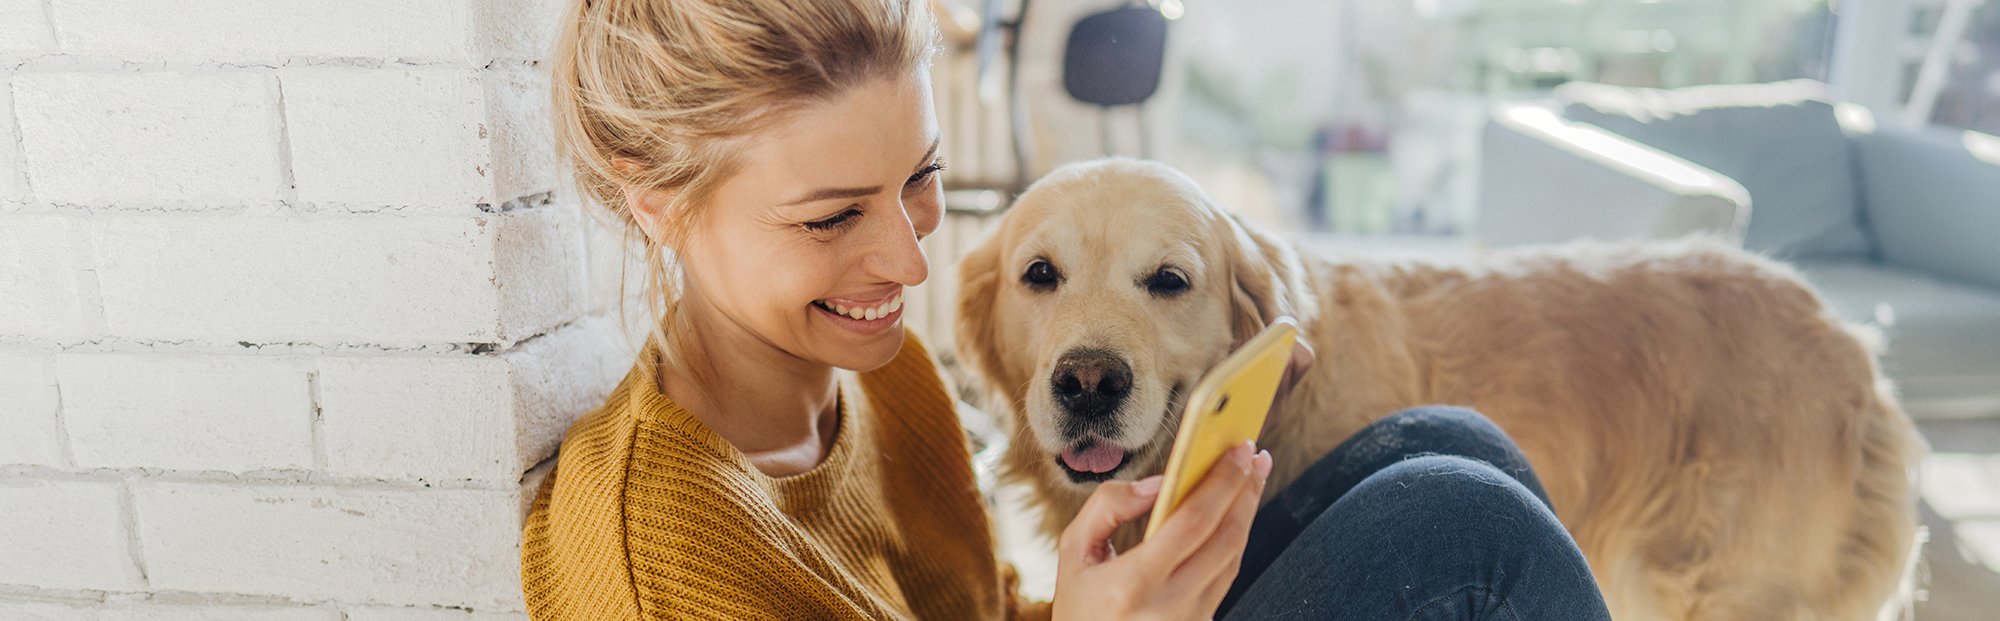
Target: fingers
x,y
1114,503
1194,521
1213,566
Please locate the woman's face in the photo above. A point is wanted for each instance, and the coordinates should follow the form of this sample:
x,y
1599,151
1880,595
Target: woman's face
x,y
820,225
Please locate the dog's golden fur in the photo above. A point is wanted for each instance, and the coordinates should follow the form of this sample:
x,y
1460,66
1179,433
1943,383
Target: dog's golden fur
x,y
1719,444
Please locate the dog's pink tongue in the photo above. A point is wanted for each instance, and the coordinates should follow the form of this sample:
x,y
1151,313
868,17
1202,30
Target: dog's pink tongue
x,y
1096,457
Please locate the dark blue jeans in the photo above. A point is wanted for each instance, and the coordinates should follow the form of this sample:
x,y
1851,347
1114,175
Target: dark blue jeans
x,y
1431,513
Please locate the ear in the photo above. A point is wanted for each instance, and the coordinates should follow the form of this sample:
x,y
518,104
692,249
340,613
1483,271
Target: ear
x,y
1263,273
648,208
979,283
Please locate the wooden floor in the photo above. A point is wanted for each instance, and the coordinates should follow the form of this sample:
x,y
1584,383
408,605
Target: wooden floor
x,y
1961,487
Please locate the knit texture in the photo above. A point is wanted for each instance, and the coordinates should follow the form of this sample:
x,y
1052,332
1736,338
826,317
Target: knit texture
x,y
650,515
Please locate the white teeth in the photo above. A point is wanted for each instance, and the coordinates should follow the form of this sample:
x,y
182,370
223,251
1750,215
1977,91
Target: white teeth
x,y
868,314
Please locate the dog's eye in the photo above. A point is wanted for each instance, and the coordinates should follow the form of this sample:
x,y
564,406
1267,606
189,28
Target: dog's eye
x,y
1165,283
1041,275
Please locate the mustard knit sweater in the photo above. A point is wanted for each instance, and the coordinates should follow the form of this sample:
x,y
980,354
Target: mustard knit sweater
x,y
650,515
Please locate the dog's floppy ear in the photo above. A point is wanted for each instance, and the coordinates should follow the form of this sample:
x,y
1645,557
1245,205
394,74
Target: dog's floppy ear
x,y
979,283
1264,275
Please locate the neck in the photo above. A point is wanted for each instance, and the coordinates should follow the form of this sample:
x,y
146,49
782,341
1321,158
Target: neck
x,y
775,407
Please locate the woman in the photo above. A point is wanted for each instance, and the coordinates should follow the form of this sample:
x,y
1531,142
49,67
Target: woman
x,y
783,449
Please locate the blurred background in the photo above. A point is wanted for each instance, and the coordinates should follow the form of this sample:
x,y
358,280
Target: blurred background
x,y
1852,139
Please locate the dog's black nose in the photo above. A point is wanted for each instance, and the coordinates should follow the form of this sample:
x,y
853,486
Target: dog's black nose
x,y
1091,382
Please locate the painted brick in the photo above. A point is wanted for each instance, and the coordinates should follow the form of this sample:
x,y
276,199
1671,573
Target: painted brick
x,y
65,535
562,376
382,613
227,30
540,266
39,279
148,611
45,611
521,29
22,27
371,278
390,137
231,413
469,417
523,147
428,547
149,138
238,612
428,418
28,404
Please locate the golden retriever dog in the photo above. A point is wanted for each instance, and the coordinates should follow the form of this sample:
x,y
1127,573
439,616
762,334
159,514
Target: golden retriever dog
x,y
1720,445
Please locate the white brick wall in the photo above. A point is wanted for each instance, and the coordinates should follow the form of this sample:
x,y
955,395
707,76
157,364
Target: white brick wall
x,y
40,278
292,305
233,413
249,31
67,535
353,544
382,278
28,405
150,138
22,28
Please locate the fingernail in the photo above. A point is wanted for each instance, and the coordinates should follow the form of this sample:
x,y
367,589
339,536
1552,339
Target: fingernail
x,y
1263,465
1243,455
1147,486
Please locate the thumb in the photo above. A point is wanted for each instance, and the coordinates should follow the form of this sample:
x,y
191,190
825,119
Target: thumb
x,y
1088,537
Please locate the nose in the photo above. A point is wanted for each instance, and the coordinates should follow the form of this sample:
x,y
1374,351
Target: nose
x,y
897,256
1090,383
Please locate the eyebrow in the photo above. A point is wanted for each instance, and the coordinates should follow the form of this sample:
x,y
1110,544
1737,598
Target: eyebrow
x,y
823,194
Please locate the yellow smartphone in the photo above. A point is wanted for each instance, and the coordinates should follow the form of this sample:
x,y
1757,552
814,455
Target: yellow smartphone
x,y
1226,408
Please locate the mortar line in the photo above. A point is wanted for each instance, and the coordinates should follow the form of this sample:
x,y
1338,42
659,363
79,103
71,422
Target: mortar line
x,y
129,508
318,437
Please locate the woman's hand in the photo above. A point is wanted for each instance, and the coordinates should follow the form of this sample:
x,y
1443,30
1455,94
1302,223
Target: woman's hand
x,y
1184,569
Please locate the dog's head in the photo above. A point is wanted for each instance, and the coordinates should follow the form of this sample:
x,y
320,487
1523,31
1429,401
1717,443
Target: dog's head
x,y
1106,291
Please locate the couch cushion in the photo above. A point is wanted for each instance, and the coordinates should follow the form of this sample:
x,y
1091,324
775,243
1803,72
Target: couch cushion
x,y
1933,200
1943,337
1780,140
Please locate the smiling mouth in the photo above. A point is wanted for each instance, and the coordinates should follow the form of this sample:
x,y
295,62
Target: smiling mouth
x,y
1092,461
881,310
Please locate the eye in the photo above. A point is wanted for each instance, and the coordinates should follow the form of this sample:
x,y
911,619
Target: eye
x,y
839,220
925,175
1041,276
1165,282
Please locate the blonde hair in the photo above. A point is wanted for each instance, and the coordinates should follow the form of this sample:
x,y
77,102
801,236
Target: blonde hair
x,y
659,94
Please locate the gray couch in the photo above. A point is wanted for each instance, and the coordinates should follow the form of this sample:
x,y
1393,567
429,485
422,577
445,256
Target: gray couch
x,y
1898,227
